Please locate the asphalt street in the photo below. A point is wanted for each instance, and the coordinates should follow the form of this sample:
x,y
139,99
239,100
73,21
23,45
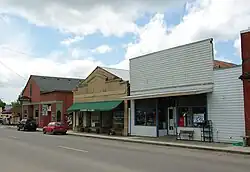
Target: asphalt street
x,y
33,151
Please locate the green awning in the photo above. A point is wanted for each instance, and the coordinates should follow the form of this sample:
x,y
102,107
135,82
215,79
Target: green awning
x,y
95,106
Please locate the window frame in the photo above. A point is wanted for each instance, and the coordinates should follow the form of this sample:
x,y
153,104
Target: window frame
x,y
147,113
190,113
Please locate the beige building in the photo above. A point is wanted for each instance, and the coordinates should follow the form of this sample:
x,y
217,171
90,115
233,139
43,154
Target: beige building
x,y
98,105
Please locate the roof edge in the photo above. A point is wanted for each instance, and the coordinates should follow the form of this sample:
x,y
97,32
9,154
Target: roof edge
x,y
57,77
245,31
47,92
179,46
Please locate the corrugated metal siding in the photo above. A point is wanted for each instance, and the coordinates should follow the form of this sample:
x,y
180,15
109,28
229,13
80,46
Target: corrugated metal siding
x,y
190,64
226,106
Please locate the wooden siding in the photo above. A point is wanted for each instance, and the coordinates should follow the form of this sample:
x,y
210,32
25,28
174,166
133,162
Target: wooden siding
x,y
226,106
187,65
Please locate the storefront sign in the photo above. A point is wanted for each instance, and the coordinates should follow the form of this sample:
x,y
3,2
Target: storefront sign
x,y
44,110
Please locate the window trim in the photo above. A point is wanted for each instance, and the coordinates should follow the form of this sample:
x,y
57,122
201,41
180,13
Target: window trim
x,y
147,110
190,110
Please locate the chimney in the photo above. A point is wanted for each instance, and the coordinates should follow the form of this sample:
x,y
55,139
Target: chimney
x,y
245,55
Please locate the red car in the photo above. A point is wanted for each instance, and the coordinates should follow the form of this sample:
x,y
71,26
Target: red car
x,y
55,128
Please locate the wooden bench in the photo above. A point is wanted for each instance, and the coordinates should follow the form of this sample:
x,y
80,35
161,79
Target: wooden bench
x,y
189,133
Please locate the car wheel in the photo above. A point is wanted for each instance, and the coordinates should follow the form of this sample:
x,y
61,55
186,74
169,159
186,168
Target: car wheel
x,y
18,129
64,133
44,132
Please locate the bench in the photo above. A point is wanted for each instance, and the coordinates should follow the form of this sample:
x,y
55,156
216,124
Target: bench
x,y
189,133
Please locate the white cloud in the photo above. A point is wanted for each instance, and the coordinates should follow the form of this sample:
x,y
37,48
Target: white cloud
x,y
222,20
237,46
70,41
102,49
25,65
110,17
17,62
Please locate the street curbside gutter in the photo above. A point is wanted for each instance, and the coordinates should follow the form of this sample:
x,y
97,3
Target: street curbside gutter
x,y
158,143
170,144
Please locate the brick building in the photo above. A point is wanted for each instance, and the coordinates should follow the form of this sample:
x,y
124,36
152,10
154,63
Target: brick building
x,y
47,98
245,54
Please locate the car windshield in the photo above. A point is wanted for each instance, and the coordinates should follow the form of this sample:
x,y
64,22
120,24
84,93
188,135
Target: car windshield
x,y
51,124
59,124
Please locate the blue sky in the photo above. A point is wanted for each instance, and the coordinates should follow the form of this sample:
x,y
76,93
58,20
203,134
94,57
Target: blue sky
x,y
106,33
46,40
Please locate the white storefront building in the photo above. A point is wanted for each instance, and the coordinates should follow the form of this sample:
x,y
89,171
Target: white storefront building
x,y
178,92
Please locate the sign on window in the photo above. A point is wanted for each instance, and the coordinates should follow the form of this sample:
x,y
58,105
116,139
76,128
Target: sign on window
x,y
44,110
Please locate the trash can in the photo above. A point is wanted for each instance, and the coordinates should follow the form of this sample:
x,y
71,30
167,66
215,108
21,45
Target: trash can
x,y
245,141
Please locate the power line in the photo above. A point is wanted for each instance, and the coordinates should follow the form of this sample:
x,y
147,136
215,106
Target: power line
x,y
18,52
12,70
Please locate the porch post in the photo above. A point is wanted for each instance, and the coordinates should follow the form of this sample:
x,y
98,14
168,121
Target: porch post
x,y
74,120
125,128
77,118
22,110
157,118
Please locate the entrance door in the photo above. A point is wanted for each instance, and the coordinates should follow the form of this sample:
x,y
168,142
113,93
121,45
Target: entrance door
x,y
58,116
171,120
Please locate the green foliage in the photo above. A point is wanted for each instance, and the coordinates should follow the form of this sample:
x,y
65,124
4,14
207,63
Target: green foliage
x,y
15,104
2,103
16,107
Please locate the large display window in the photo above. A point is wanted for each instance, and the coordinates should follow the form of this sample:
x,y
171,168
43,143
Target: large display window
x,y
145,112
118,119
146,117
191,116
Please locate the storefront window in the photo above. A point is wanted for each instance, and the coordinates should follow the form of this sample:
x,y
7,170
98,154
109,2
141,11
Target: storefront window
x,y
191,116
146,117
199,115
95,119
118,117
145,112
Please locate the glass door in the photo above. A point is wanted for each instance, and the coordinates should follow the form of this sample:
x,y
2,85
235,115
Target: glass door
x,y
171,120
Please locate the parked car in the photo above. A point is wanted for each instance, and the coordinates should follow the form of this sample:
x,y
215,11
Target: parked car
x,y
55,128
27,125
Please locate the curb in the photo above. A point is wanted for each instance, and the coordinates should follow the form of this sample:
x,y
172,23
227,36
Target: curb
x,y
169,144
206,148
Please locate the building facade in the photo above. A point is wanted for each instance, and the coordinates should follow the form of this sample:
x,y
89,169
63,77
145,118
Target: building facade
x,y
98,104
47,98
173,93
245,76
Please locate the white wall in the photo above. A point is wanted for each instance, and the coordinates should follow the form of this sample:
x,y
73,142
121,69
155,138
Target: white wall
x,y
140,130
187,65
226,106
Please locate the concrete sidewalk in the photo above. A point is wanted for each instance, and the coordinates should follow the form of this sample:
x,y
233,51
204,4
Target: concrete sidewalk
x,y
191,145
223,148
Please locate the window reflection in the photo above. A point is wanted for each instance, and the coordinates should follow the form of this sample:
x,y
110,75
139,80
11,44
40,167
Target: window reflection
x,y
191,116
146,117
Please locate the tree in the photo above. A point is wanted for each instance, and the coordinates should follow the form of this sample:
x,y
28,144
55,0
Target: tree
x,y
16,107
15,104
2,104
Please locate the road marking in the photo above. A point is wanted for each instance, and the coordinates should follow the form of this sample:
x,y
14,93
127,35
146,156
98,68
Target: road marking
x,y
78,150
13,137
